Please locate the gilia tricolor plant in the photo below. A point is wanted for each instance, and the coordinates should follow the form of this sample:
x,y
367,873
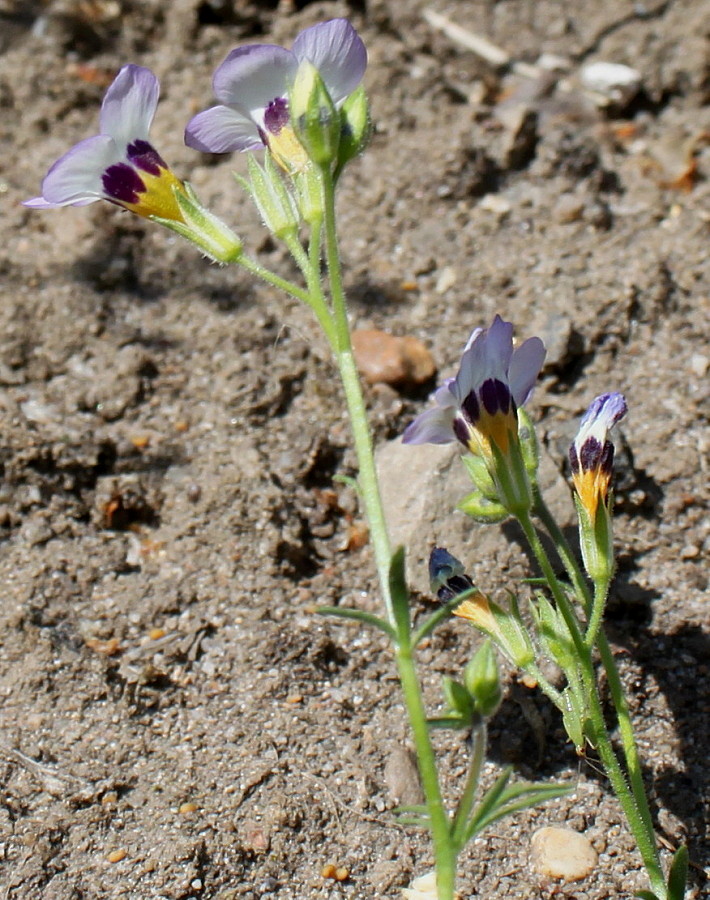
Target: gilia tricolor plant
x,y
307,110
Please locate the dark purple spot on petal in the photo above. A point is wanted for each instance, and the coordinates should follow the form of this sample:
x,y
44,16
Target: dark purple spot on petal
x,y
121,182
470,408
495,396
573,460
454,586
276,115
462,430
606,458
590,454
146,157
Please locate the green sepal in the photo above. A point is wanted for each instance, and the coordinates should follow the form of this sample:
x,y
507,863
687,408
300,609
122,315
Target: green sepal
x,y
203,228
553,632
400,597
359,615
355,127
272,198
309,194
574,717
511,478
529,446
458,698
314,117
678,875
480,475
482,510
596,540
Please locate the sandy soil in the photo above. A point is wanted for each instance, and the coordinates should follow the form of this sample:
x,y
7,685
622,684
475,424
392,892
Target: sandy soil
x,y
174,720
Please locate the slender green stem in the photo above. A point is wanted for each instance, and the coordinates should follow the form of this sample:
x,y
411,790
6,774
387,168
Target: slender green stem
x,y
616,689
317,300
548,690
444,849
332,256
561,599
601,591
468,795
633,801
288,287
369,484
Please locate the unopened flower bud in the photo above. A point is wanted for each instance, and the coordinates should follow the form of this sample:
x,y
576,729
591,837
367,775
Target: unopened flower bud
x,y
315,119
482,681
356,126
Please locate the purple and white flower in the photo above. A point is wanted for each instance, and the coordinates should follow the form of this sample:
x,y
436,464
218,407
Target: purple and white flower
x,y
252,86
591,454
479,406
119,164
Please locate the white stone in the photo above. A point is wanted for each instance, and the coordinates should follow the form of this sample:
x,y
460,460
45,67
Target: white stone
x,y
562,853
617,82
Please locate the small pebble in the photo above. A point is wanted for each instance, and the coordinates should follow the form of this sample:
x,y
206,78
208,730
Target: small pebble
x,y
402,778
383,358
617,82
568,208
562,853
699,364
116,856
446,280
186,808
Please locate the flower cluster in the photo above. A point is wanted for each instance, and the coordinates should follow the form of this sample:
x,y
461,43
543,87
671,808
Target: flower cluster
x,y
253,84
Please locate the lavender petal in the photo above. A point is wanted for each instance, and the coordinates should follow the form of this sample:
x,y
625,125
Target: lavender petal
x,y
434,426
525,365
251,77
337,51
222,130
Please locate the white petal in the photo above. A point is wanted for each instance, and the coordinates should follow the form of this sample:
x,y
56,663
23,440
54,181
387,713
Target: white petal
x,y
222,130
76,178
129,105
336,50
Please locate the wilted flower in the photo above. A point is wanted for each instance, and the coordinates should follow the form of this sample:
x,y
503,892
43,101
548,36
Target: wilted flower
x,y
448,579
591,454
253,83
479,406
119,164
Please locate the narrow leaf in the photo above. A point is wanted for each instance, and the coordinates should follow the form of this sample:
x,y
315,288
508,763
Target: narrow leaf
x,y
517,800
419,809
492,796
646,895
345,612
443,612
413,821
399,595
678,874
458,723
